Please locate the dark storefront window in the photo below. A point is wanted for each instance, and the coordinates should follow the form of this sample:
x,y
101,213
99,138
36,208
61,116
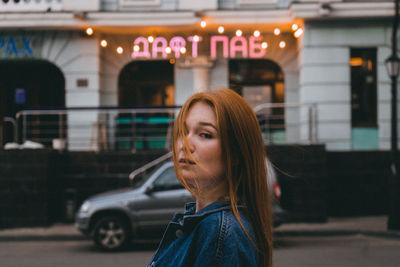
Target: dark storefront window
x,y
363,87
145,84
261,81
31,84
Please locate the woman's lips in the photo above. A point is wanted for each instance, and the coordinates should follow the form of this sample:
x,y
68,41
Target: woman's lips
x,y
186,162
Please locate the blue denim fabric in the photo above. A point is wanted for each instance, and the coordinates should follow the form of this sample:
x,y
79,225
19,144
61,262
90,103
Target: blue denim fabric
x,y
210,237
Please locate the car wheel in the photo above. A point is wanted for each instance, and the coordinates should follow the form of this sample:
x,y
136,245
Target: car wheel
x,y
111,233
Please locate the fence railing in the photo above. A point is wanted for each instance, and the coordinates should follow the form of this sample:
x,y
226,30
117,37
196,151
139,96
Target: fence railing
x,y
98,128
283,123
148,128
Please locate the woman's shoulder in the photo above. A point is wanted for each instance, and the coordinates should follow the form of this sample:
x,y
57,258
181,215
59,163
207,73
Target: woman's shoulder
x,y
231,243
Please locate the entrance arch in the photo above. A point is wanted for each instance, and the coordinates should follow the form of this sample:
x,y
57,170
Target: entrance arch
x,y
248,76
146,83
27,84
261,81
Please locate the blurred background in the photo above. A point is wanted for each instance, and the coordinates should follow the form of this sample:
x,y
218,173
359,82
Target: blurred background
x,y
89,91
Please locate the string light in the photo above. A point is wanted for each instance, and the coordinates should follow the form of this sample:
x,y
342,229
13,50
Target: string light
x,y
103,43
172,61
239,33
136,48
168,50
203,23
221,29
120,50
282,44
150,39
182,50
298,33
89,31
295,27
196,38
277,31
256,33
264,45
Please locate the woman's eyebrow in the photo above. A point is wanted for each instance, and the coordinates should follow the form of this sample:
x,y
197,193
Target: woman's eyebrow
x,y
203,123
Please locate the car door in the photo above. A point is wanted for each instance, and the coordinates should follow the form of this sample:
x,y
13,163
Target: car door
x,y
165,197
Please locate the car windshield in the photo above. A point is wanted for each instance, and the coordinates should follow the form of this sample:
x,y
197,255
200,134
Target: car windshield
x,y
141,178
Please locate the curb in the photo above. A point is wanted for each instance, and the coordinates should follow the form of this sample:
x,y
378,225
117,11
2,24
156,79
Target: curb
x,y
22,238
277,234
327,233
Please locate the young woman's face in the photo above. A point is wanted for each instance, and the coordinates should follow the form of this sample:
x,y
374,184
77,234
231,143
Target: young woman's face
x,y
204,143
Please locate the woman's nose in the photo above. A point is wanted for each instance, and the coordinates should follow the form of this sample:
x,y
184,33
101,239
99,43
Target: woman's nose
x,y
188,142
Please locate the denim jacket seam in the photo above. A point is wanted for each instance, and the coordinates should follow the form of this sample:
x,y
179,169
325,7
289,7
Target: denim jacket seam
x,y
221,239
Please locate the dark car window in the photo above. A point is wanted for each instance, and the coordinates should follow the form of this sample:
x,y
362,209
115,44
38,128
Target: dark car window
x,y
167,181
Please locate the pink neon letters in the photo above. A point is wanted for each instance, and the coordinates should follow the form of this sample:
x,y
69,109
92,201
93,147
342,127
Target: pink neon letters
x,y
235,47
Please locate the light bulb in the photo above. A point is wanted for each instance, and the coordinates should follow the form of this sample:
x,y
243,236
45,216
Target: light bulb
x,y
103,43
298,33
89,31
120,50
264,45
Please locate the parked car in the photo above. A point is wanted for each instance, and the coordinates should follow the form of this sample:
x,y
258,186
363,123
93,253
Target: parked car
x,y
113,219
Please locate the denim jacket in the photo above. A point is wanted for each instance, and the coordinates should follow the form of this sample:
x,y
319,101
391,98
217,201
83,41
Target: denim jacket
x,y
210,237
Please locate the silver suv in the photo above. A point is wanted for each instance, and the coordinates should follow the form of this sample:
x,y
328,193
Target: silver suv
x,y
115,218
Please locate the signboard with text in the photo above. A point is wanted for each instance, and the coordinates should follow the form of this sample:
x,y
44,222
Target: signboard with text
x,y
16,46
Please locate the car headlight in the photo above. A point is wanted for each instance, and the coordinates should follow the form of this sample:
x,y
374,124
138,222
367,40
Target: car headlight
x,y
85,207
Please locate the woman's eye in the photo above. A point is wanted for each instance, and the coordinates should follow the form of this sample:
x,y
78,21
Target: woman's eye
x,y
206,135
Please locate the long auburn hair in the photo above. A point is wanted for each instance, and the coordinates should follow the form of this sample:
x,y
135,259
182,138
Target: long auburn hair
x,y
243,154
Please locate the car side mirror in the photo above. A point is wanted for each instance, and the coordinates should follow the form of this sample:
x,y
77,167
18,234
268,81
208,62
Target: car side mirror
x,y
149,189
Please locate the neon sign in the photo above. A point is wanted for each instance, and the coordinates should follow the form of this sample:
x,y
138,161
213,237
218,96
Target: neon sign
x,y
235,47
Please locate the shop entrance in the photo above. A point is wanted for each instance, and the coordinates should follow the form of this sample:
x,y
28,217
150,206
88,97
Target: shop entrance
x,y
28,84
145,84
261,81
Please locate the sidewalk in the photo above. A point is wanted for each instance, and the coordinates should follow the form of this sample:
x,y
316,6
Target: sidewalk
x,y
368,225
371,225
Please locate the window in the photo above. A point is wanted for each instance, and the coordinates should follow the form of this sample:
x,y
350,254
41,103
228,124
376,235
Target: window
x,y
363,87
167,181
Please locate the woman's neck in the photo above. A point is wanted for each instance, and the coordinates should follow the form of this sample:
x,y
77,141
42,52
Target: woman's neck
x,y
210,195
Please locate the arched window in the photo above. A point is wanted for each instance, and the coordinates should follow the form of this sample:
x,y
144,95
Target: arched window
x,y
261,81
27,84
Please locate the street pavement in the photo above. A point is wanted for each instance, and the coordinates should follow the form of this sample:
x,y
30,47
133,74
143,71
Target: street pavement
x,y
371,226
344,242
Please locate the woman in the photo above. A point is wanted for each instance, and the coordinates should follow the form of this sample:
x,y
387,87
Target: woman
x,y
219,157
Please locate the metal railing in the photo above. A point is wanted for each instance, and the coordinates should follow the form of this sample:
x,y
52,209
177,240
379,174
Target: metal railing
x,y
283,123
14,129
98,128
149,128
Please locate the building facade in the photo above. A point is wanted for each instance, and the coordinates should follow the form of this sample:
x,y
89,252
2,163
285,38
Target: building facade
x,y
319,64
